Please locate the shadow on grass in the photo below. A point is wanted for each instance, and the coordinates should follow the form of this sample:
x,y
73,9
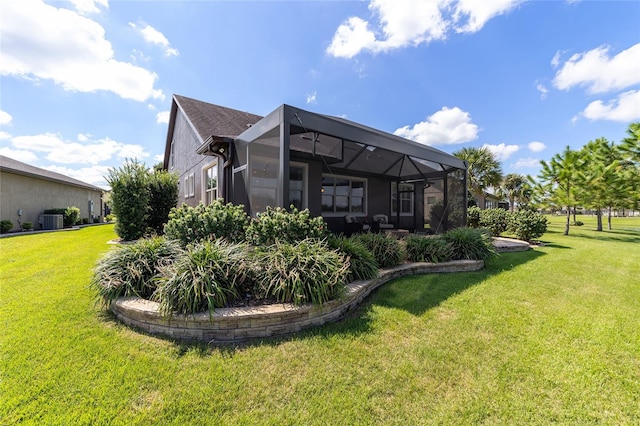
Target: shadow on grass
x,y
417,294
615,236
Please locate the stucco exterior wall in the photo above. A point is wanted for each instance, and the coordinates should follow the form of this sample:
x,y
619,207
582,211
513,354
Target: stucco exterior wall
x,y
34,195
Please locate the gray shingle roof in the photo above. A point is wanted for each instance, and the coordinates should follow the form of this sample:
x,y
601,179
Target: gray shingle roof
x,y
14,166
216,120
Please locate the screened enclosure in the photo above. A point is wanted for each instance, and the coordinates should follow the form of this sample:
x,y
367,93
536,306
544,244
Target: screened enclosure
x,y
339,168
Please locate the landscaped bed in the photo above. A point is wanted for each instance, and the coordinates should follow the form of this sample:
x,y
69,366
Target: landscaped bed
x,y
213,257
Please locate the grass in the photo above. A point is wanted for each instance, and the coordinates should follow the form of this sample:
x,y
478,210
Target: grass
x,y
546,336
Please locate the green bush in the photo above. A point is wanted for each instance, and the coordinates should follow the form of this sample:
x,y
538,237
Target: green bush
x,y
96,220
70,215
362,263
129,198
469,244
131,269
387,250
301,272
109,218
427,249
495,220
578,223
278,224
163,196
205,276
192,224
473,216
528,225
5,226
85,220
27,226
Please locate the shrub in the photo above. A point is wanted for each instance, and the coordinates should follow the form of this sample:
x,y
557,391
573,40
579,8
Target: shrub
x,y
85,220
301,272
70,215
496,220
528,225
129,198
362,263
205,276
131,269
27,226
96,220
163,196
278,224
427,249
110,217
469,243
578,223
386,250
473,216
5,226
192,224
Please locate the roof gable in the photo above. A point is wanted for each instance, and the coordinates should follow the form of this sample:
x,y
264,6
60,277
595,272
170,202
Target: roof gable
x,y
209,119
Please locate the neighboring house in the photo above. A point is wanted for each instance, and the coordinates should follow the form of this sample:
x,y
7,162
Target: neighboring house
x,y
31,190
334,167
491,201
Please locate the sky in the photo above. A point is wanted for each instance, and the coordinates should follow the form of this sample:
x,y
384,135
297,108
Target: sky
x,y
87,84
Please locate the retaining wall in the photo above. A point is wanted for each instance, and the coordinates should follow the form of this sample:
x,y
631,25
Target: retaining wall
x,y
229,325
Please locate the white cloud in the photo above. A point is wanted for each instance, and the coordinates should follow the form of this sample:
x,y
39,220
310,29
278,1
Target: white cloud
x,y
89,6
312,97
154,36
18,154
4,135
93,175
543,90
448,126
526,163
502,151
82,137
5,118
403,23
599,72
625,108
162,117
40,41
66,152
158,157
555,61
480,12
536,146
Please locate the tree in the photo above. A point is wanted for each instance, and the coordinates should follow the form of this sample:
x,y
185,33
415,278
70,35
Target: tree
x,y
163,196
483,170
129,198
558,181
513,187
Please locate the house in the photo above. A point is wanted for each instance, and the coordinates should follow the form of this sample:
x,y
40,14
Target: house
x,y
27,191
334,167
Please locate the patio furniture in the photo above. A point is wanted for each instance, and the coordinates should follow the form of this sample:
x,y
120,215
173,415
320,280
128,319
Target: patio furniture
x,y
382,221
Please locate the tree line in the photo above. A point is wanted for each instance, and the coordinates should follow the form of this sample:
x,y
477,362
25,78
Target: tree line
x,y
601,176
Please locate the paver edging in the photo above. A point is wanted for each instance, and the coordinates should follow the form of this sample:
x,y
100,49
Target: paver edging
x,y
234,325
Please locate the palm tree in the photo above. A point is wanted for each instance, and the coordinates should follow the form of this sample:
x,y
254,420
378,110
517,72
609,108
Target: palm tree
x,y
513,187
483,170
558,180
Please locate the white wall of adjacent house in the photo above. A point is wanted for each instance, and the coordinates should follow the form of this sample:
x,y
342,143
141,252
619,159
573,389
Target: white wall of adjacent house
x,y
32,196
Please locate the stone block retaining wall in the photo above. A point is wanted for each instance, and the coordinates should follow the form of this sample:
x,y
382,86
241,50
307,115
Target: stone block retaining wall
x,y
229,325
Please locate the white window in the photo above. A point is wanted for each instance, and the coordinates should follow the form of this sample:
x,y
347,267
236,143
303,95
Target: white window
x,y
406,198
189,186
210,182
171,157
343,195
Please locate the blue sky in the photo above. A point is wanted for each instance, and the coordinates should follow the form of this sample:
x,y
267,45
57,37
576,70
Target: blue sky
x,y
85,84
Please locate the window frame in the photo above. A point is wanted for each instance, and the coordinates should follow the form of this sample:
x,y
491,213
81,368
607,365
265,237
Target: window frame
x,y
351,179
190,185
412,195
205,181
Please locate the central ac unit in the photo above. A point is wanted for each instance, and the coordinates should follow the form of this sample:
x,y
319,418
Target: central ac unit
x,y
52,221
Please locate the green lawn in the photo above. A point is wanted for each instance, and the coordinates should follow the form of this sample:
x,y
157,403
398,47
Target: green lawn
x,y
547,336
